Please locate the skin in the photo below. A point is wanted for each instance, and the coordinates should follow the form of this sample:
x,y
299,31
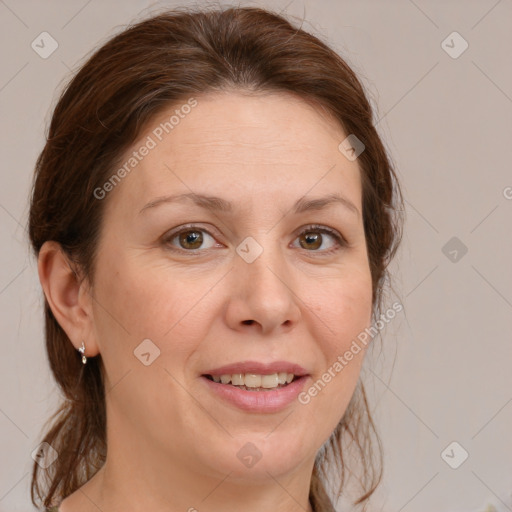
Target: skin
x,y
172,444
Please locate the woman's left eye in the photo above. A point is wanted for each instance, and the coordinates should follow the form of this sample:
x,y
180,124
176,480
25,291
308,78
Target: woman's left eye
x,y
192,238
313,238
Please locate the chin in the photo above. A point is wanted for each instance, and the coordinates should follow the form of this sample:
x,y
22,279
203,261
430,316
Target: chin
x,y
256,458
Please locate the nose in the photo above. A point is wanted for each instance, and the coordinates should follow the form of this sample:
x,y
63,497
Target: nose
x,y
263,295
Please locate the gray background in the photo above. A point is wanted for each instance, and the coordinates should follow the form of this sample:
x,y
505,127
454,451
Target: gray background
x,y
444,371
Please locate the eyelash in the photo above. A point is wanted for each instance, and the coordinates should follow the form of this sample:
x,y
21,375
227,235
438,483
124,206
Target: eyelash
x,y
340,241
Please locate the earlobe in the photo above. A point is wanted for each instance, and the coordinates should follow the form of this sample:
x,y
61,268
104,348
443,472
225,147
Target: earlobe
x,y
61,286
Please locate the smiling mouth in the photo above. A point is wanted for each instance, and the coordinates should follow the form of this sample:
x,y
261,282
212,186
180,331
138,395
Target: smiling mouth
x,y
252,382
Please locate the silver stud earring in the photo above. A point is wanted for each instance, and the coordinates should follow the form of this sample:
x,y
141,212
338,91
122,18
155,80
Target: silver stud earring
x,y
82,350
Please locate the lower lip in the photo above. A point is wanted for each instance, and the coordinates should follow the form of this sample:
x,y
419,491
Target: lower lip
x,y
273,400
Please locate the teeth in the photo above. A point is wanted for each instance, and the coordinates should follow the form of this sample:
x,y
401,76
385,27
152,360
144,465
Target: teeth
x,y
252,380
237,379
270,381
282,377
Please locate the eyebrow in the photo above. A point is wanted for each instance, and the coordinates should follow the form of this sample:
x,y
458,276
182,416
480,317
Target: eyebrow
x,y
218,204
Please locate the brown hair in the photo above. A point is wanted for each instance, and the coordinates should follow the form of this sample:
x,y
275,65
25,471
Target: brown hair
x,y
119,89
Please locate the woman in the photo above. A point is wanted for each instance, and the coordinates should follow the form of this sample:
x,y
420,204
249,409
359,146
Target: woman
x,y
213,214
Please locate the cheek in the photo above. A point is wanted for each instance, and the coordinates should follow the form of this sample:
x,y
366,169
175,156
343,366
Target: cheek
x,y
342,311
153,303
342,308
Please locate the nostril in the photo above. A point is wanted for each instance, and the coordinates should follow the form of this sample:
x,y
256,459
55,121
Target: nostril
x,y
248,322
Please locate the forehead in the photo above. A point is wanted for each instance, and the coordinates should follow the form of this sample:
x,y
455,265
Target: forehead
x,y
266,125
272,143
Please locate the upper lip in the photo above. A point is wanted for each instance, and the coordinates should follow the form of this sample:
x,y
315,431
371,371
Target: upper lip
x,y
258,368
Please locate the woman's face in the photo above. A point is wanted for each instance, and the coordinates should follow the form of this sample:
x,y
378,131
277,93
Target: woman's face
x,y
260,281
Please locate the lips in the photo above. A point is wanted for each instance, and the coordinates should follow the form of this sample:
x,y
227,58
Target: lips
x,y
251,397
258,368
258,400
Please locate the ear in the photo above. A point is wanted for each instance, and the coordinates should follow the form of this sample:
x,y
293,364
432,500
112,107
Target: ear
x,y
69,300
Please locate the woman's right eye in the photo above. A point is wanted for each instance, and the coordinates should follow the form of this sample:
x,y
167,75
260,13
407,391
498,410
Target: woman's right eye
x,y
188,239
